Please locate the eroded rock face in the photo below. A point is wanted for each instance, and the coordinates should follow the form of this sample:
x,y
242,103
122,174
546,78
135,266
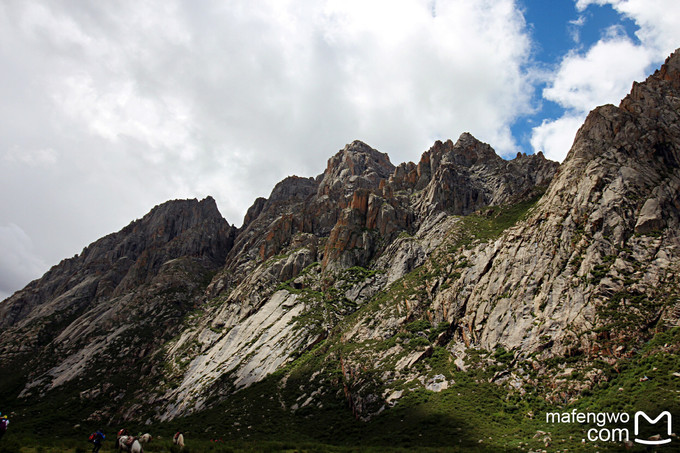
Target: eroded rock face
x,y
591,271
468,175
355,167
362,202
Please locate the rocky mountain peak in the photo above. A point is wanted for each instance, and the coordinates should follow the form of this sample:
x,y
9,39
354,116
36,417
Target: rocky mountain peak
x,y
650,95
466,152
670,69
293,187
358,159
121,261
603,238
356,166
371,157
470,151
467,175
173,217
630,149
254,211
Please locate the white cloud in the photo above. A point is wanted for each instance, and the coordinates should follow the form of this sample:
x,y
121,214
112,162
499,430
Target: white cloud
x,y
603,75
574,28
31,157
605,72
658,21
18,260
152,100
555,138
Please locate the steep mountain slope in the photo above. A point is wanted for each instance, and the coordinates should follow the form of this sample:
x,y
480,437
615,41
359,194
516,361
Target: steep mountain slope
x,y
139,293
97,317
372,287
325,234
484,321
592,272
551,306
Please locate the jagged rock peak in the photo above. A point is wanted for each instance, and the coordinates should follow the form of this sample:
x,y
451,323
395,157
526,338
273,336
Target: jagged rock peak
x,y
653,102
670,70
358,165
470,151
206,208
643,96
357,146
466,152
288,191
175,216
200,225
622,172
254,211
359,158
120,262
293,187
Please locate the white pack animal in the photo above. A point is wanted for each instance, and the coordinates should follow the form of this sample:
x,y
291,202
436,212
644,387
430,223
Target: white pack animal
x,y
134,447
178,439
145,438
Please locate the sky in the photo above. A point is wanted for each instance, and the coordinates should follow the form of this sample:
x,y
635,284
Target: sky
x,y
110,108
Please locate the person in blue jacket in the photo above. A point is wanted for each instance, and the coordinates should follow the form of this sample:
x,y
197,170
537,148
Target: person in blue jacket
x,y
97,440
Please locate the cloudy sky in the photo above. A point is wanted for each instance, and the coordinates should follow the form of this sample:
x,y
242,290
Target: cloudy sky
x,y
109,108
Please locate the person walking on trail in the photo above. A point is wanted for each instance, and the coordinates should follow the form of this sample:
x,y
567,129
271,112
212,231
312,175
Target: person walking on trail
x,y
4,423
97,438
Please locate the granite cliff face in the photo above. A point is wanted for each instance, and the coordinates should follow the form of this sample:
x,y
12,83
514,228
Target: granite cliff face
x,y
372,281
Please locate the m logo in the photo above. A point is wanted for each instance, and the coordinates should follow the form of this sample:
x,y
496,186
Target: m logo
x,y
639,414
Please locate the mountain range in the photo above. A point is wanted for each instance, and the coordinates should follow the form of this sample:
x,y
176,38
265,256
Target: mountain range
x,y
467,294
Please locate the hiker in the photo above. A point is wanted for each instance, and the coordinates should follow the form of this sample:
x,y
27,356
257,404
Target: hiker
x,y
97,438
4,422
